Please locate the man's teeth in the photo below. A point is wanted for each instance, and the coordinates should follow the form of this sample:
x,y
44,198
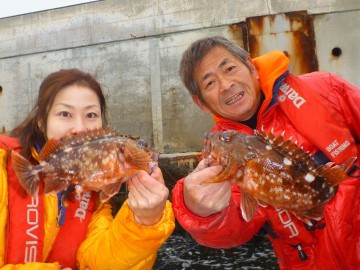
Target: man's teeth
x,y
235,98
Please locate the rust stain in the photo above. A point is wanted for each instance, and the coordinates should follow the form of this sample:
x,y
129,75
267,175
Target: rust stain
x,y
237,31
3,131
290,32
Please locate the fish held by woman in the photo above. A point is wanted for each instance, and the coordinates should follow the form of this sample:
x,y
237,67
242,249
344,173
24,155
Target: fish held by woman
x,y
273,171
95,160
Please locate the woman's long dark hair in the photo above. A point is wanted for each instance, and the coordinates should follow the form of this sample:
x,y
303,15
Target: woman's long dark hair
x,y
29,131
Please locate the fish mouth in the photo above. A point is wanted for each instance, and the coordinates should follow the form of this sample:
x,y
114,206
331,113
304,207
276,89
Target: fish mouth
x,y
235,98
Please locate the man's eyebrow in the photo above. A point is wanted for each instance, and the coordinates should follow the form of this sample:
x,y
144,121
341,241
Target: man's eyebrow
x,y
222,63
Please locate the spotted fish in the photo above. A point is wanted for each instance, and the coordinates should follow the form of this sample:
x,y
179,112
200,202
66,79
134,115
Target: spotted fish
x,y
273,171
99,160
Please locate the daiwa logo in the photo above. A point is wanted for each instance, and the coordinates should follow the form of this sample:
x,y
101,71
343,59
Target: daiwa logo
x,y
32,220
291,94
84,204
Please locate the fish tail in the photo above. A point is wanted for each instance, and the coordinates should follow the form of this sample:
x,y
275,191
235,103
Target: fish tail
x,y
348,164
334,175
136,156
26,173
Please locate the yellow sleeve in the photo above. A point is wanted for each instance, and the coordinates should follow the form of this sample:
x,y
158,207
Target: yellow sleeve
x,y
3,204
121,243
32,266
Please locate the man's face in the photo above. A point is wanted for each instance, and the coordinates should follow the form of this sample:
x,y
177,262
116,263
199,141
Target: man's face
x,y
229,88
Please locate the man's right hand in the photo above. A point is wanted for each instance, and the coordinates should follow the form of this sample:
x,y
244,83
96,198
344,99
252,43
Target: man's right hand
x,y
206,199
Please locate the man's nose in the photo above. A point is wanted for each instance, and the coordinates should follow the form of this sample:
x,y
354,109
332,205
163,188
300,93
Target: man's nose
x,y
225,83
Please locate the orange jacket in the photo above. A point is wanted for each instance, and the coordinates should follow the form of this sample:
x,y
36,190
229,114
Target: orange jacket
x,y
335,246
111,243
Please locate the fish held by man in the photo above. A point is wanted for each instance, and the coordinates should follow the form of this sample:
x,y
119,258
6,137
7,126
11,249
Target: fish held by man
x,y
273,171
95,160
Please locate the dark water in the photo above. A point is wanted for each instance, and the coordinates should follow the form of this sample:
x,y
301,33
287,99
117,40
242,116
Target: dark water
x,y
181,252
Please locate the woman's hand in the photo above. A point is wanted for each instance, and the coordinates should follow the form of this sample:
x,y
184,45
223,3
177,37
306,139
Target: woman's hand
x,y
147,196
206,199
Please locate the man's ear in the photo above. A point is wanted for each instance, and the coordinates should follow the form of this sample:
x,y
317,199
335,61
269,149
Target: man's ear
x,y
253,68
200,104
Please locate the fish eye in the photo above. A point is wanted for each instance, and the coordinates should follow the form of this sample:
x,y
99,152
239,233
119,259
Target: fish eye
x,y
143,143
225,137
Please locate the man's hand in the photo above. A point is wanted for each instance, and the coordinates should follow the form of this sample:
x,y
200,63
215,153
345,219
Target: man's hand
x,y
147,196
206,199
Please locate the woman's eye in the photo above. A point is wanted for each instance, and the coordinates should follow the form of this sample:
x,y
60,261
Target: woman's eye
x,y
91,115
64,114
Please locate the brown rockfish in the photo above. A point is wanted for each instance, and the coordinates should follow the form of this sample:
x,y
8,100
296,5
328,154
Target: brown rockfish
x,y
96,160
273,171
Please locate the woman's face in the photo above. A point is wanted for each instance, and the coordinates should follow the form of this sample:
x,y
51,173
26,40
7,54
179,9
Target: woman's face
x,y
76,108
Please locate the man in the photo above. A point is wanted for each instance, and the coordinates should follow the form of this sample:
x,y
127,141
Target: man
x,y
319,111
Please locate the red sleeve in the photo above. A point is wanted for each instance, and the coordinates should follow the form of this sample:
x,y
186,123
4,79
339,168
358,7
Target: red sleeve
x,y
221,230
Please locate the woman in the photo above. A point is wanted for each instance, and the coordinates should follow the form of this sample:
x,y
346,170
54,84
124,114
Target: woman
x,y
54,231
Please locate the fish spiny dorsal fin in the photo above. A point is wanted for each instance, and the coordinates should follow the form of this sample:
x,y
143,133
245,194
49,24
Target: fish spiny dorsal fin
x,y
49,148
135,156
287,148
87,136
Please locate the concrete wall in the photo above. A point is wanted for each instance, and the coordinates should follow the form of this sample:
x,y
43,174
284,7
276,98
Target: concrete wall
x,y
134,48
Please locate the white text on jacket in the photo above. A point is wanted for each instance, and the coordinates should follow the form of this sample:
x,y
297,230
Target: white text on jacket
x,y
84,204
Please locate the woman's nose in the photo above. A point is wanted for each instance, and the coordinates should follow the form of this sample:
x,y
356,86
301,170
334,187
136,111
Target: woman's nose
x,y
79,125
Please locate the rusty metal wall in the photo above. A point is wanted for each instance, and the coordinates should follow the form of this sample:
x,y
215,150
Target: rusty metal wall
x,y
291,32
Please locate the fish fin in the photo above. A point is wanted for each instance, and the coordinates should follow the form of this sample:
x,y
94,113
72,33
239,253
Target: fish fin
x,y
263,204
103,197
49,148
53,184
111,189
248,206
311,214
88,136
227,174
348,164
26,173
136,156
289,149
304,219
333,175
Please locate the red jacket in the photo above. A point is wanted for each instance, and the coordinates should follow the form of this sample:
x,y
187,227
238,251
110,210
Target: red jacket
x,y
321,112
